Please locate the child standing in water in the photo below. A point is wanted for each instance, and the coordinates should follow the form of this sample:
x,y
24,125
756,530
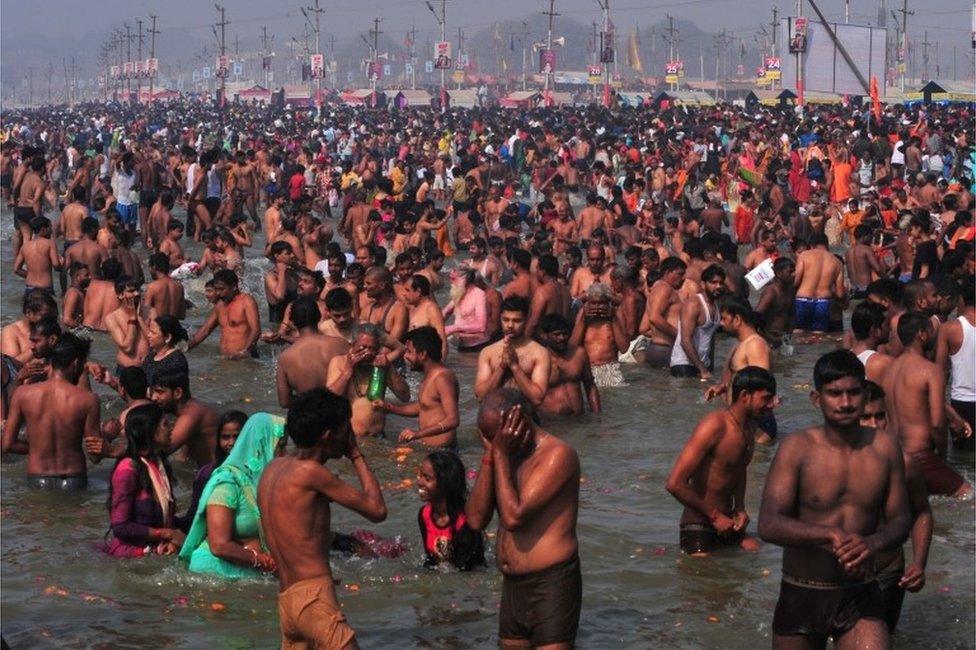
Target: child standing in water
x,y
443,526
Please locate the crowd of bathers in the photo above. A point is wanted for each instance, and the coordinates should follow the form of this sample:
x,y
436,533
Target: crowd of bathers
x,y
557,245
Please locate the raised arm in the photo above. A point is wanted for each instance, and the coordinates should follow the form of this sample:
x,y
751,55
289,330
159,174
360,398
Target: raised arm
x,y
367,501
517,506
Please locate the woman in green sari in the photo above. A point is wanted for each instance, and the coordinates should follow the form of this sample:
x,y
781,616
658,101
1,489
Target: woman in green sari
x,y
225,538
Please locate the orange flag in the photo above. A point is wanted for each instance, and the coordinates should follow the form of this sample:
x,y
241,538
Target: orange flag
x,y
875,99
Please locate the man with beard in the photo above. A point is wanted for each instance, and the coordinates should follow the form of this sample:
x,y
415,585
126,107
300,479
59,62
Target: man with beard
x,y
660,321
570,375
437,398
915,394
516,361
487,265
692,354
196,423
74,298
709,476
349,376
469,305
835,497
236,313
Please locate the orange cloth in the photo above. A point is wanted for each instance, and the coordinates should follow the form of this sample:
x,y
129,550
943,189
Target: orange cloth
x,y
840,189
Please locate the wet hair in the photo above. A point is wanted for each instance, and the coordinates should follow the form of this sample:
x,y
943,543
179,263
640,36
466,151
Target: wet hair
x,y
669,264
872,392
68,349
172,380
133,381
501,400
913,291
967,289
516,303
305,312
886,288
37,301
111,269
426,339
420,283
314,413
817,239
126,282
752,379
38,224
170,326
867,316
554,323
712,272
160,262
449,471
735,306
598,291
910,325
782,263
47,326
278,248
521,258
369,329
226,277
175,224
835,366
549,265
338,299
89,226
75,267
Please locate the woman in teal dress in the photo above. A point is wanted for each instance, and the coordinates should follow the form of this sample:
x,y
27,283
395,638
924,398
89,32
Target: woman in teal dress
x,y
225,538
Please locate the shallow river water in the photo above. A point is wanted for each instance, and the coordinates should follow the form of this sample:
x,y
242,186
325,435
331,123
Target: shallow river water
x,y
639,591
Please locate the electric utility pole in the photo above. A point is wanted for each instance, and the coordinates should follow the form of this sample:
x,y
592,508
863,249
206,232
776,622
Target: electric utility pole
x,y
549,67
152,54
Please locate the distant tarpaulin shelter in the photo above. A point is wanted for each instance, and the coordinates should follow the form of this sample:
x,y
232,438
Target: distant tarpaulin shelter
x,y
521,99
778,98
462,98
254,93
297,94
947,91
634,99
406,98
683,98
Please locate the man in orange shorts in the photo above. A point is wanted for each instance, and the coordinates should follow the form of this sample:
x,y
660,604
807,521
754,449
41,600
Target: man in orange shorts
x,y
294,497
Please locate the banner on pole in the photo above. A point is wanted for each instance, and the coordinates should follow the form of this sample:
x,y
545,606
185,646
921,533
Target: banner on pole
x,y
222,68
442,55
317,62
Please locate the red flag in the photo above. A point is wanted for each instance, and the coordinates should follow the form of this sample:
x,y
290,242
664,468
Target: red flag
x,y
875,99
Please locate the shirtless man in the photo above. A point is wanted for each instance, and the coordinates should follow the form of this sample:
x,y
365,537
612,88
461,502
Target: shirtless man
x,y
600,331
304,364
709,475
57,415
86,249
73,311
170,246
489,267
516,361
383,309
660,320
819,281
236,313
196,423
863,266
30,193
69,225
349,375
272,216
835,497
423,311
765,250
570,375
596,270
246,184
592,217
870,330
532,478
294,497
164,295
915,394
101,298
128,325
38,258
750,349
339,317
550,296
895,576
776,302
15,337
437,398
522,284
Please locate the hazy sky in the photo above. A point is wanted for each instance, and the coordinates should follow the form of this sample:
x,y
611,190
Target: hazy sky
x,y
184,22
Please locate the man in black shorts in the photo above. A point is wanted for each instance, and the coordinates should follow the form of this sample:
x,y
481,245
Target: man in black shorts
x,y
835,497
532,478
709,476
